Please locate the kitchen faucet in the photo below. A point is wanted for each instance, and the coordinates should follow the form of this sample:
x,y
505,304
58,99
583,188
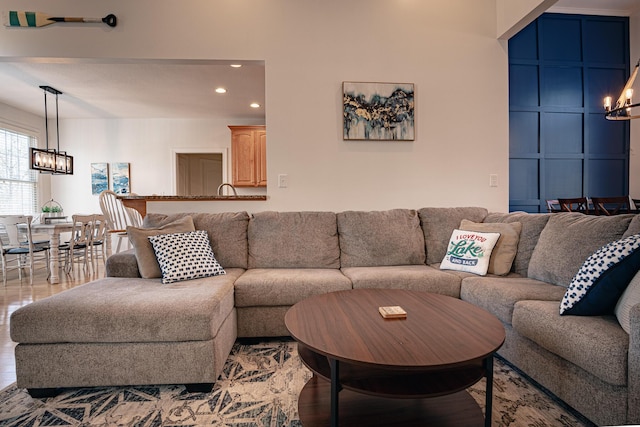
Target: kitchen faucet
x,y
235,193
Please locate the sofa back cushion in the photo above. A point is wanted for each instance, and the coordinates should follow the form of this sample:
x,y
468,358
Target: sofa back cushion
x,y
506,247
145,255
227,233
568,239
379,238
532,226
439,223
293,240
634,226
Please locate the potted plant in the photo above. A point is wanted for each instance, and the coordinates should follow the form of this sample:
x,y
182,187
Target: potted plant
x,y
51,209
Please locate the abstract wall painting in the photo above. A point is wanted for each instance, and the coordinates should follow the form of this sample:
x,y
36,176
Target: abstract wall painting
x,y
120,182
378,111
99,177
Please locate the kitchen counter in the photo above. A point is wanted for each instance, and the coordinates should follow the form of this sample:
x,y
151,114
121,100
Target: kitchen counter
x,y
139,203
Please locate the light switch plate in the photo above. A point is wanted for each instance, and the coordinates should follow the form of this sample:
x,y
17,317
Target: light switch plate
x,y
283,180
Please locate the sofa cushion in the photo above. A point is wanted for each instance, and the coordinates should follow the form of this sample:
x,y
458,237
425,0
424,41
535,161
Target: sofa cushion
x,y
602,279
113,310
293,240
567,240
469,251
596,344
634,226
464,274
378,238
286,286
227,233
506,247
123,264
498,295
532,226
185,256
412,277
630,297
439,223
139,238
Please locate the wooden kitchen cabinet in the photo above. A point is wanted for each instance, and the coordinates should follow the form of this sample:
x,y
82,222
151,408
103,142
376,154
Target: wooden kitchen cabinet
x,y
249,156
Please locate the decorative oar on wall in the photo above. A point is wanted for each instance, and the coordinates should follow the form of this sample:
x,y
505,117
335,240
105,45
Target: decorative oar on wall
x,y
39,19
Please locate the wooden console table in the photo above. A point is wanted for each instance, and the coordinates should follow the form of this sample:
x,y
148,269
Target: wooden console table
x,y
139,203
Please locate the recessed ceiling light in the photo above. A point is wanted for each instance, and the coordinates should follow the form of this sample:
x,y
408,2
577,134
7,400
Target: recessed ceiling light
x,y
254,105
236,65
221,90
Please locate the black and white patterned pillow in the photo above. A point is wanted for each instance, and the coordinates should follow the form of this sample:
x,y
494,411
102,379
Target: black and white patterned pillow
x,y
602,279
185,256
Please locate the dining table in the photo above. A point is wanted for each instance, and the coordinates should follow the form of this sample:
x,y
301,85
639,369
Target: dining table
x,y
53,230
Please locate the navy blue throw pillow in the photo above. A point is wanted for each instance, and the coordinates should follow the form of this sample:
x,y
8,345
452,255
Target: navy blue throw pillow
x,y
602,279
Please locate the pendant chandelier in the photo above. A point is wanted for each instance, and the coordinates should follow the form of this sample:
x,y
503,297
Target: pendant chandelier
x,y
624,107
51,160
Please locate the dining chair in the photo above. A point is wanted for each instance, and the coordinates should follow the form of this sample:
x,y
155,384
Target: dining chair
x,y
79,246
98,240
553,205
135,219
116,216
575,204
17,248
611,205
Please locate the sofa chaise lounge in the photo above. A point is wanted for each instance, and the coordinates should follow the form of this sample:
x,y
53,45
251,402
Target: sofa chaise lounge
x,y
125,329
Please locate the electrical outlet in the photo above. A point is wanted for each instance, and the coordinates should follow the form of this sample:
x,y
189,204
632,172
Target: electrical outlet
x,y
283,180
493,180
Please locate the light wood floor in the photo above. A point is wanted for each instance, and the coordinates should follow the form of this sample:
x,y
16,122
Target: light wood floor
x,y
18,293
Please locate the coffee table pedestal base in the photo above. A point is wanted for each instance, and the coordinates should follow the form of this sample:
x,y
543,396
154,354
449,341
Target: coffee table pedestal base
x,y
314,408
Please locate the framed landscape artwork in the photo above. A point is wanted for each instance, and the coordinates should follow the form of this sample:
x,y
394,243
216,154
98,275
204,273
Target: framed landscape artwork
x,y
378,111
99,177
120,182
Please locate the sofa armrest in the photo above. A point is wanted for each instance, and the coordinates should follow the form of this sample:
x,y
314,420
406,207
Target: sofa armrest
x,y
633,416
122,264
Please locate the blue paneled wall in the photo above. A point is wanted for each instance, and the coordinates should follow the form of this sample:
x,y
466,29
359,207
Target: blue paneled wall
x,y
560,145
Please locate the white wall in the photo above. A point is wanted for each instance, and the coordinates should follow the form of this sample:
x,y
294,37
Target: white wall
x,y
448,48
148,145
514,15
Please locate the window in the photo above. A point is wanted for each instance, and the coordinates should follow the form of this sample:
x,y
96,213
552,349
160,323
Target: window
x,y
18,183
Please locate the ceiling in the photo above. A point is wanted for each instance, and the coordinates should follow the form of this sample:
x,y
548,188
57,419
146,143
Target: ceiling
x,y
171,89
135,89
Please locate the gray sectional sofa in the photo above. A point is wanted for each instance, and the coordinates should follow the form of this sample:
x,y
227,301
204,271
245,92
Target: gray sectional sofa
x,y
124,329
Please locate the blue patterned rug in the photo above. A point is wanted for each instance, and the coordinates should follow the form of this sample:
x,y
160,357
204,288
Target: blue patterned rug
x,y
258,387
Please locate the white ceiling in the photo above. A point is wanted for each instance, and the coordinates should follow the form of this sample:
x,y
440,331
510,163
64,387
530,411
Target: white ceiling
x,y
171,89
135,89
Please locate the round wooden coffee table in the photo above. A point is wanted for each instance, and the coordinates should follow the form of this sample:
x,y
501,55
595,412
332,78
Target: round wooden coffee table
x,y
443,346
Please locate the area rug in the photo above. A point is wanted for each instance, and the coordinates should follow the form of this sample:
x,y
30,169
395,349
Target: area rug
x,y
258,387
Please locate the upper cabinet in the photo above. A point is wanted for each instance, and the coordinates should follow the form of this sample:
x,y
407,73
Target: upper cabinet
x,y
249,156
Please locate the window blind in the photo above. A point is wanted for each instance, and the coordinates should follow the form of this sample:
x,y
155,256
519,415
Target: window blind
x,y
18,183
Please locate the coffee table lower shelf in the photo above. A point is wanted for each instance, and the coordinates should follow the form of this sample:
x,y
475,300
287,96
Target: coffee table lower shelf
x,y
394,383
357,409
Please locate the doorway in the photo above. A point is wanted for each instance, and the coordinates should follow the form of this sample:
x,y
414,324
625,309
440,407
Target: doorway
x,y
199,172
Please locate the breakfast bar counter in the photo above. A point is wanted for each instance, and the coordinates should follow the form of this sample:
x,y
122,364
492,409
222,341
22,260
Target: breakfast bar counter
x,y
139,203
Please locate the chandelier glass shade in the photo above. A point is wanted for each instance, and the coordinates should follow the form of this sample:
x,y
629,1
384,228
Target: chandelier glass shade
x,y
51,160
624,108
